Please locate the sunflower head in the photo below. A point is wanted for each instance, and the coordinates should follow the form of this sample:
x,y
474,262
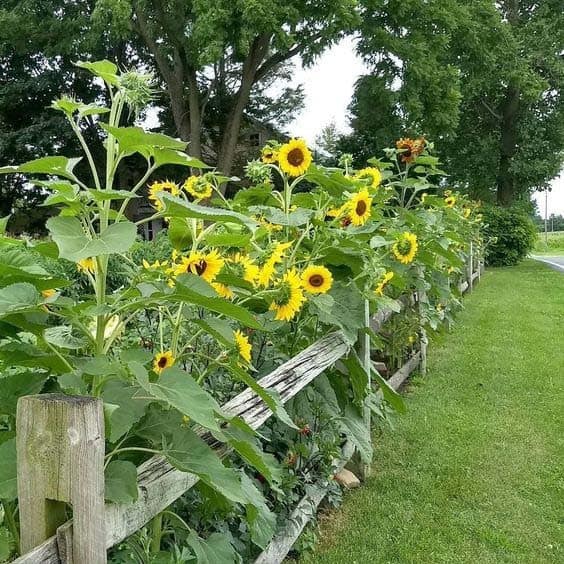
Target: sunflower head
x,y
410,149
158,188
383,282
266,271
49,293
467,211
198,187
223,290
269,155
162,360
450,201
205,265
317,279
371,174
405,247
86,265
243,346
244,267
289,297
294,158
359,207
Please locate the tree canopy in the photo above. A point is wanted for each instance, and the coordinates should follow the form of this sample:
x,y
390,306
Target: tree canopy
x,y
483,79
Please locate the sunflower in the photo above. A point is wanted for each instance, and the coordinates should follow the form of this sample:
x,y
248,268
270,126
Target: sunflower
x,y
198,187
158,188
405,247
450,201
243,346
359,207
382,283
269,155
162,360
49,293
290,297
372,174
410,148
317,279
155,265
294,157
223,290
266,272
467,211
248,270
86,265
206,266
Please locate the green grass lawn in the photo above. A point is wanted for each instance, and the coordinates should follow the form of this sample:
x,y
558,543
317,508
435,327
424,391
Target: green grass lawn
x,y
553,245
474,472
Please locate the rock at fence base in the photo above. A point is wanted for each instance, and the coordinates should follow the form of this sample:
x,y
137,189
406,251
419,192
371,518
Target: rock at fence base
x,y
347,479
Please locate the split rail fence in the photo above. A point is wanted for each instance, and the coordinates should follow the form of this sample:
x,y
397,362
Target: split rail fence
x,y
60,445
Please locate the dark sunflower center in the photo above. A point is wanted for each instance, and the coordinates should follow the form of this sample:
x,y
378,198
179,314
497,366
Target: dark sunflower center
x,y
361,207
316,280
162,362
296,157
201,267
404,247
268,154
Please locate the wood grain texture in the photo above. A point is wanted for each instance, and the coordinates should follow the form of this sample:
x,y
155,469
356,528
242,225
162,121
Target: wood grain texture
x,y
403,373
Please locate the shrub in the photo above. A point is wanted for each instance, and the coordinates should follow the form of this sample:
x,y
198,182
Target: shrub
x,y
509,234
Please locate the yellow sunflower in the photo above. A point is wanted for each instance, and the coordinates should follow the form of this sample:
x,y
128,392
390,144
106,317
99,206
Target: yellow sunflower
x,y
467,212
223,290
382,283
155,265
198,187
204,265
450,201
294,157
249,270
162,360
359,207
243,346
290,297
405,247
372,174
266,271
269,155
86,265
410,148
317,279
158,188
48,293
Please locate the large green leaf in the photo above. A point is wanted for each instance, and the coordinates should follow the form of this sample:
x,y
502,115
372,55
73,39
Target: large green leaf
x,y
74,245
262,521
121,482
26,354
105,69
216,549
8,470
177,207
357,376
178,389
17,385
390,395
176,157
58,166
354,426
18,297
137,140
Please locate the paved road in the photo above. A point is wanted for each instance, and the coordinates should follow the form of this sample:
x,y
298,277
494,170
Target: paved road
x,y
556,262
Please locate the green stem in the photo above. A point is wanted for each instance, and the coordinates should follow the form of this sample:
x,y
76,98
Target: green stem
x,y
78,133
9,512
156,533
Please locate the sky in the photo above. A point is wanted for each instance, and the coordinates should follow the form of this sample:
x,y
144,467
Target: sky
x,y
329,86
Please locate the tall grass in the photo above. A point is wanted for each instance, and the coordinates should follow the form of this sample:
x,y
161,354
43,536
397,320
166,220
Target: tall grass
x,y
554,243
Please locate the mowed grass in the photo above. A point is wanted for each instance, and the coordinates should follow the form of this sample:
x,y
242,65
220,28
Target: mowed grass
x,y
474,472
552,244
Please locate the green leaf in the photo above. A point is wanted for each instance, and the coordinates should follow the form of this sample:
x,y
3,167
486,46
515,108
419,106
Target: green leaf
x,y
8,470
6,544
61,336
4,223
74,245
228,240
25,354
131,406
14,386
274,215
178,389
59,166
357,376
262,521
105,69
216,549
220,329
137,140
121,482
18,297
177,207
108,195
354,426
176,157
390,395
179,233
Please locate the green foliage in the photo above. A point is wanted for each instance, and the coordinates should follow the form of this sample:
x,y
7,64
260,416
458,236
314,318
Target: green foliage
x,y
510,235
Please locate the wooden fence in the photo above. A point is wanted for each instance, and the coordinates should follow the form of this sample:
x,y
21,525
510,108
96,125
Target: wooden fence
x,y
60,444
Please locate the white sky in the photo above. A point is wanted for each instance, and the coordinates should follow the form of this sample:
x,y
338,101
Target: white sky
x,y
329,87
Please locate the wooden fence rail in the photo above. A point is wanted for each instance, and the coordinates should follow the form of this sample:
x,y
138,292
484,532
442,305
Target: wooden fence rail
x,y
160,484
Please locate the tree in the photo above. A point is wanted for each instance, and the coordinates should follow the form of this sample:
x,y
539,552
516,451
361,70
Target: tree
x,y
223,51
39,40
483,79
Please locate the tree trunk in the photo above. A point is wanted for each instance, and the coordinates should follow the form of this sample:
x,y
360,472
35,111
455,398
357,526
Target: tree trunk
x,y
506,189
195,147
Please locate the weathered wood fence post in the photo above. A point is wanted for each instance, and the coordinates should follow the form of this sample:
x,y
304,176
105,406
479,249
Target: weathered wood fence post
x,y
60,447
366,360
470,266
